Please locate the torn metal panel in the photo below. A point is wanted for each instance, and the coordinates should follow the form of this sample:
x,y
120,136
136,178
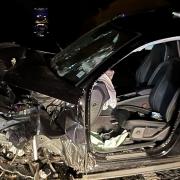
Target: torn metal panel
x,y
72,154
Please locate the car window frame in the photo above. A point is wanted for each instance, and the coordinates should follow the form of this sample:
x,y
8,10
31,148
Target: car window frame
x,y
89,90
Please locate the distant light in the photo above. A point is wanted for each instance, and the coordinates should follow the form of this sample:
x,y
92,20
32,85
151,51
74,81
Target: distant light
x,y
176,14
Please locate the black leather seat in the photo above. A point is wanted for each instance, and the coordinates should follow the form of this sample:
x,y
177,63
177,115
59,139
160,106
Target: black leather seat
x,y
160,53
164,102
150,72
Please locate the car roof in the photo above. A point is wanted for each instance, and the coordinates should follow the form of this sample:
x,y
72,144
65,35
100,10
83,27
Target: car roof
x,y
150,26
153,24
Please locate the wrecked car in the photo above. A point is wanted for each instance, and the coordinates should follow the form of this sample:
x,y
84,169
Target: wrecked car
x,y
52,124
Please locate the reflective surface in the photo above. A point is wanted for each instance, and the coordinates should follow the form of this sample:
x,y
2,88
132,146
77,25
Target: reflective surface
x,y
80,58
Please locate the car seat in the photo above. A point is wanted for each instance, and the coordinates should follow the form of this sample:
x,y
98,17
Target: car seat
x,y
150,72
164,101
107,121
99,96
159,53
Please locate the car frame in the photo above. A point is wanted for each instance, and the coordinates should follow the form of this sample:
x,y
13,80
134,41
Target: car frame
x,y
148,28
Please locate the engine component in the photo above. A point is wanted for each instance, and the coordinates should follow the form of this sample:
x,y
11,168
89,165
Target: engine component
x,y
33,146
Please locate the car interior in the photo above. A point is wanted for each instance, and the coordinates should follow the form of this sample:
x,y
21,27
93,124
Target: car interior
x,y
147,88
148,97
149,73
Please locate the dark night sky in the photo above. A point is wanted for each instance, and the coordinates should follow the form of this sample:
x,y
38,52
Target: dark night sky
x,y
68,19
65,18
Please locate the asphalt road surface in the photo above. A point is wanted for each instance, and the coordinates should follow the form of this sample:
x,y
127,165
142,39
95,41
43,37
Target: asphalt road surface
x,y
162,175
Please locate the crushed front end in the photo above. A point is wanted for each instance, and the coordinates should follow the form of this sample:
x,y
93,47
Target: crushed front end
x,y
40,136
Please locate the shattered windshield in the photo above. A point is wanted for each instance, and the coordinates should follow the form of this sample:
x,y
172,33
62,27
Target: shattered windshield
x,y
83,56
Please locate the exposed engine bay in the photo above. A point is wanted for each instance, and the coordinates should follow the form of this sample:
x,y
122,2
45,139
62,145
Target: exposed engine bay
x,y
32,145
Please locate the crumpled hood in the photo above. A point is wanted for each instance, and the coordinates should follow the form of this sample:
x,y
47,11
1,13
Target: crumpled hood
x,y
41,79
